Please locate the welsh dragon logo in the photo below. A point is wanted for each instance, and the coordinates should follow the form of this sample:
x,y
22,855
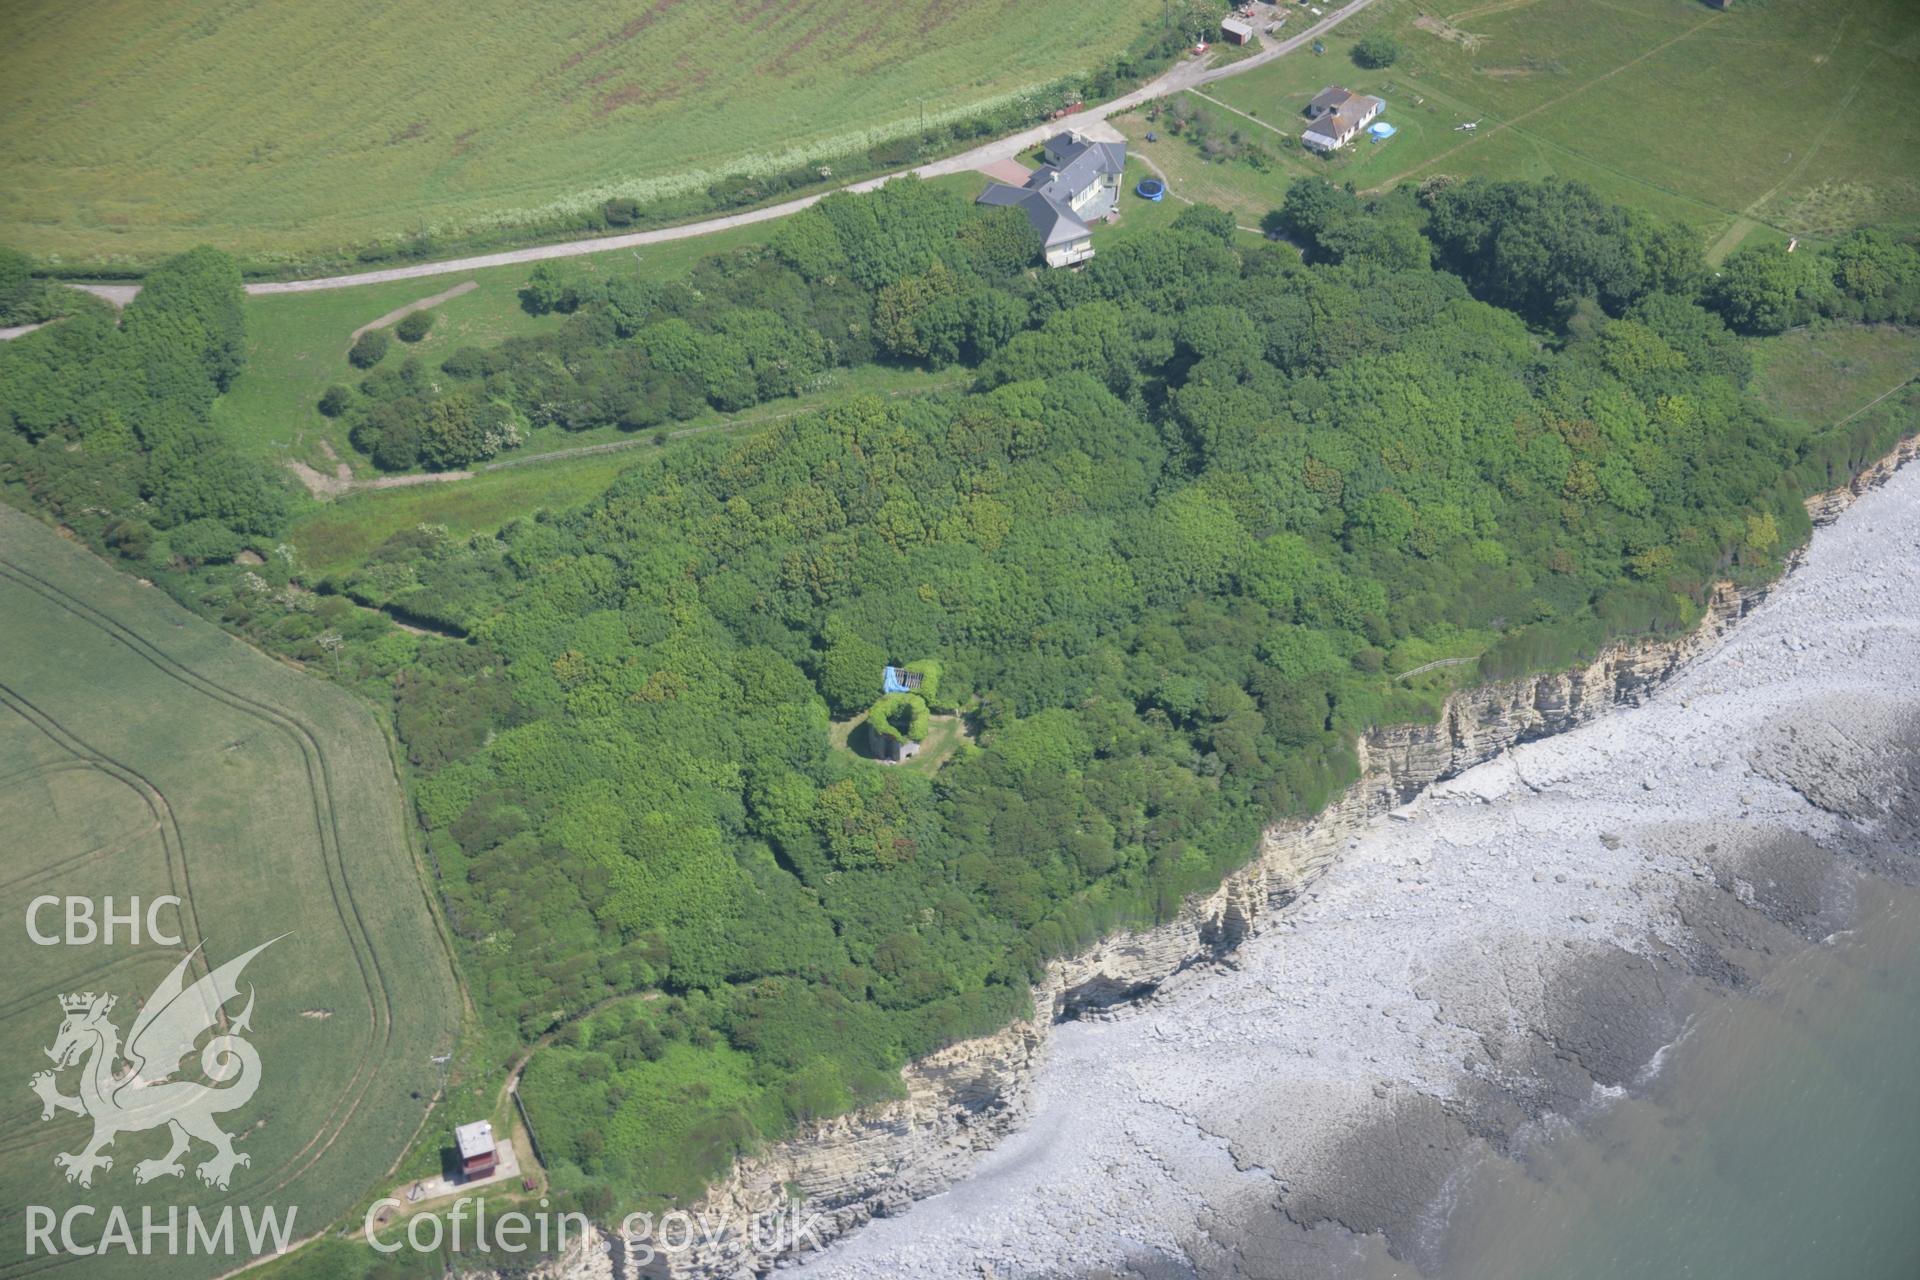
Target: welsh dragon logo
x,y
144,1093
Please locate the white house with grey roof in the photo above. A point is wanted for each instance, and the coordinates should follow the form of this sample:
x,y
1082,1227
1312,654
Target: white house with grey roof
x,y
1077,186
1338,114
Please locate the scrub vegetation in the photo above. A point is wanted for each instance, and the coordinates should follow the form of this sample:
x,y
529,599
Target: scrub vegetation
x,y
1183,518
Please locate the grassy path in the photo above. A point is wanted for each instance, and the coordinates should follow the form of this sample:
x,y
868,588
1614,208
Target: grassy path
x,y
1436,664
321,485
1891,391
400,313
1749,217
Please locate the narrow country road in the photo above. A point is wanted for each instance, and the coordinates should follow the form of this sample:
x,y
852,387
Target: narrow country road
x,y
1184,75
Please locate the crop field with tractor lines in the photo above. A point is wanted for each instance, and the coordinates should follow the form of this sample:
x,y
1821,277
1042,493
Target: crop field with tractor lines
x,y
144,752
370,122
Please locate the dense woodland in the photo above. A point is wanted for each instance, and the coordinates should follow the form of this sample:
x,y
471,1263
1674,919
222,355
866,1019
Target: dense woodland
x,y
1201,499
104,418
24,299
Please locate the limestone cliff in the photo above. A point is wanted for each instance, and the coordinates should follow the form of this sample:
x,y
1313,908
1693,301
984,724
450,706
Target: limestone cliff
x,y
962,1100
1826,507
590,1256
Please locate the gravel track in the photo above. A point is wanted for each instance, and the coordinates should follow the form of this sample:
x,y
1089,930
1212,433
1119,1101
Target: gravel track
x,y
398,314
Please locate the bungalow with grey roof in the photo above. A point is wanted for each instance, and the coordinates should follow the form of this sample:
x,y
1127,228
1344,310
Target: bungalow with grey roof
x,y
1078,185
1337,115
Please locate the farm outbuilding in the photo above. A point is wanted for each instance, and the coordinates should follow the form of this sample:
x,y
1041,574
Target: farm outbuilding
x,y
1236,30
898,723
890,748
896,726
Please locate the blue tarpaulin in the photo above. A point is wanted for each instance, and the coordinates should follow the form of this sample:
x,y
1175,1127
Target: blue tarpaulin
x,y
894,680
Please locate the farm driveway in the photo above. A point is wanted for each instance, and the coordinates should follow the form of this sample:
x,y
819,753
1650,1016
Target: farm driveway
x,y
1011,172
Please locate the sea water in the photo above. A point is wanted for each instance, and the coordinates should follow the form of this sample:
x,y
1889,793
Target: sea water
x,y
1779,1139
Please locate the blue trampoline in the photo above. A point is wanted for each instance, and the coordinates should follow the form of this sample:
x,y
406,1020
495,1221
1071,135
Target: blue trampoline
x,y
1150,188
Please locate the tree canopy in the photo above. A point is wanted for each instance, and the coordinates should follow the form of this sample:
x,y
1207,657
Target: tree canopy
x,y
108,426
1538,247
1197,506
1376,49
1190,511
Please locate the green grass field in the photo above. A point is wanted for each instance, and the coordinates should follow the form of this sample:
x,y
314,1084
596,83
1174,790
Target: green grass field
x,y
1816,377
135,130
338,535
144,752
1787,117
1191,177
